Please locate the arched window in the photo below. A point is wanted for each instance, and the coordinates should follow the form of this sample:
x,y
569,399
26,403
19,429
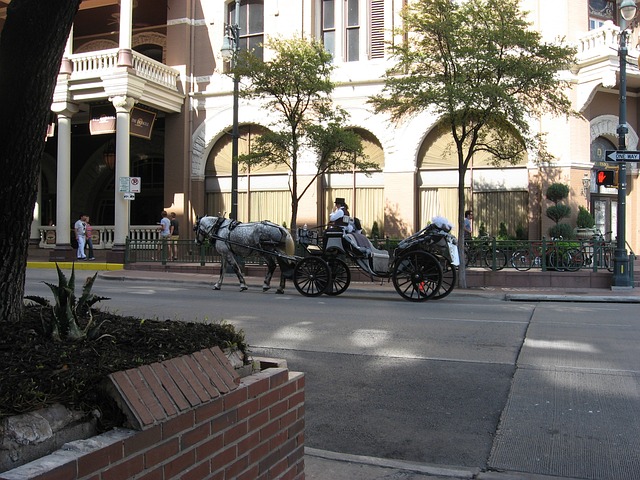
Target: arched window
x,y
263,192
496,194
363,192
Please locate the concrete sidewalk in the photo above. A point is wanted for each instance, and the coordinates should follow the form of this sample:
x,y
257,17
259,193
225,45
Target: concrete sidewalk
x,y
528,294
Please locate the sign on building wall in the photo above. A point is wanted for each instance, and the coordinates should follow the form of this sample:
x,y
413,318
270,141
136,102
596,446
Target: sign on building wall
x,y
102,119
142,122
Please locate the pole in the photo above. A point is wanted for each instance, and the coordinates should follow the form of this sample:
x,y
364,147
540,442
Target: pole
x,y
235,33
621,276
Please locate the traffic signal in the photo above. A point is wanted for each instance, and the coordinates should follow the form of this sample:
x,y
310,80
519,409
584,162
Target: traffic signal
x,y
606,178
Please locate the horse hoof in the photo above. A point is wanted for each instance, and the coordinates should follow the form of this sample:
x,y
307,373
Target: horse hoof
x,y
264,289
216,287
242,289
281,292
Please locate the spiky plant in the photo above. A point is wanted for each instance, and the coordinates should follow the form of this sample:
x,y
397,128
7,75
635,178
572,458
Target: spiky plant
x,y
68,309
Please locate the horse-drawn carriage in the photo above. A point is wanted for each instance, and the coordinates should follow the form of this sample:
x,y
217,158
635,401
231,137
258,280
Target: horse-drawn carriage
x,y
422,266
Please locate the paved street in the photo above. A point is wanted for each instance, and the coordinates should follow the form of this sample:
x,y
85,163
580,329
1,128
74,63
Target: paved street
x,y
472,384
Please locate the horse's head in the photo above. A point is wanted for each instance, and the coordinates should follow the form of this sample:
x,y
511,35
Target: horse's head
x,y
203,228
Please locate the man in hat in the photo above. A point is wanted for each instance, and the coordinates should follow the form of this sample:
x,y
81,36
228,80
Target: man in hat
x,y
340,210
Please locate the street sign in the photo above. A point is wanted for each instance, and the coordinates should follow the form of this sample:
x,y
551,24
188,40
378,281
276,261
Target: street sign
x,y
130,184
128,196
123,184
622,155
134,184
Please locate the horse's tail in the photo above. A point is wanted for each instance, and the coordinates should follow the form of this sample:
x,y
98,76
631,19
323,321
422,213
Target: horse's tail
x,y
290,246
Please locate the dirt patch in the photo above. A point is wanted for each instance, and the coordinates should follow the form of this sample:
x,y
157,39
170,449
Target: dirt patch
x,y
37,372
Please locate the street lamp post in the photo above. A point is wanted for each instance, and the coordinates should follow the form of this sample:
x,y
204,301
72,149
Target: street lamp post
x,y
621,277
230,49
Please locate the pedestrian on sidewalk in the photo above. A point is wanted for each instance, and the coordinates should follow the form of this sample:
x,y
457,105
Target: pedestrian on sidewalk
x,y
88,231
80,229
175,236
165,233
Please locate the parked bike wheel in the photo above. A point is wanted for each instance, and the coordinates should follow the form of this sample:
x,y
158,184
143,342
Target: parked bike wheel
x,y
501,258
340,276
554,261
449,278
572,259
522,260
417,276
312,276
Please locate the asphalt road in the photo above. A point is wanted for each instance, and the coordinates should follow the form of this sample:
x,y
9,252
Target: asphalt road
x,y
469,380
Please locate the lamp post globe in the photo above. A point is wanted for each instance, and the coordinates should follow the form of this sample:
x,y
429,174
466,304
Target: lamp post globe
x,y
628,9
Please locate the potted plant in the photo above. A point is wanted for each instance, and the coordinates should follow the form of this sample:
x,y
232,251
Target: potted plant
x,y
584,224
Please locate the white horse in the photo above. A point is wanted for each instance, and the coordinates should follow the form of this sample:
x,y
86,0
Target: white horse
x,y
231,238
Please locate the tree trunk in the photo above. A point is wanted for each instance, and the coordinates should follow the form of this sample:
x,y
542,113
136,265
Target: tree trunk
x,y
31,48
462,270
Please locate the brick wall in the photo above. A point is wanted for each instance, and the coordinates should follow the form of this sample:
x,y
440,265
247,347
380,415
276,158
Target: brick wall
x,y
254,431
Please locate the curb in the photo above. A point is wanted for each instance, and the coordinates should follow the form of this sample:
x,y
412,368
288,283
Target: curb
x,y
404,466
84,265
533,297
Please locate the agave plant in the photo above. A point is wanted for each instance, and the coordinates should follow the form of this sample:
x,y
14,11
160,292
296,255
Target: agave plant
x,y
68,309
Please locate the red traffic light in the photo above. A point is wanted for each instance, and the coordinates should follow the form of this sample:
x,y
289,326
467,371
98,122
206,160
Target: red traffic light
x,y
606,178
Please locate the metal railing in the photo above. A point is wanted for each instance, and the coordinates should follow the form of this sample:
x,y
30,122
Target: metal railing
x,y
594,255
161,251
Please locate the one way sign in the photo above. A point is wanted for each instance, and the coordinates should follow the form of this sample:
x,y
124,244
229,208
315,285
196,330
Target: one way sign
x,y
622,156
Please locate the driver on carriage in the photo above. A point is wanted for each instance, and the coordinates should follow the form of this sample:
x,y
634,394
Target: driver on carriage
x,y
340,219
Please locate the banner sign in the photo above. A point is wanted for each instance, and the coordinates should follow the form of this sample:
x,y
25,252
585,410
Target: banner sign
x,y
102,119
142,122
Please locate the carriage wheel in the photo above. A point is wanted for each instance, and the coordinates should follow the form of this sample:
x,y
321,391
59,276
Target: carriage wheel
x,y
312,276
449,278
417,276
340,276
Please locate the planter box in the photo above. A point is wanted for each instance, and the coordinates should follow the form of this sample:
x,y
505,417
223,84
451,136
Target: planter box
x,y
191,417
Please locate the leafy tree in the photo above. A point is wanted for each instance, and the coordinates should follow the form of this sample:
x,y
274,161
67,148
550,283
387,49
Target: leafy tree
x,y
31,48
480,66
296,88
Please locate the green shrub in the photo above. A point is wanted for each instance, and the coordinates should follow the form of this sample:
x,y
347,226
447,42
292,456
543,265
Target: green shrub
x,y
375,230
482,230
557,192
558,212
503,234
521,233
563,230
585,219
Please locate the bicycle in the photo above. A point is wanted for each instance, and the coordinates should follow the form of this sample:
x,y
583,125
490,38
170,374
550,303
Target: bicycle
x,y
560,256
600,251
482,250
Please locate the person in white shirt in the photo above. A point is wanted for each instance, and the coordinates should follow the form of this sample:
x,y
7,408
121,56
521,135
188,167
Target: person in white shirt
x,y
165,232
340,210
81,236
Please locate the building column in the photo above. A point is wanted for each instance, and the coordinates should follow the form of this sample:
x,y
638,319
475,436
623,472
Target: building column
x,y
36,222
63,250
125,56
123,105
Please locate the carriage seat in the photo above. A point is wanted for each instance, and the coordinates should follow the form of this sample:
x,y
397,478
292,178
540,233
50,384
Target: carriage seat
x,y
378,259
